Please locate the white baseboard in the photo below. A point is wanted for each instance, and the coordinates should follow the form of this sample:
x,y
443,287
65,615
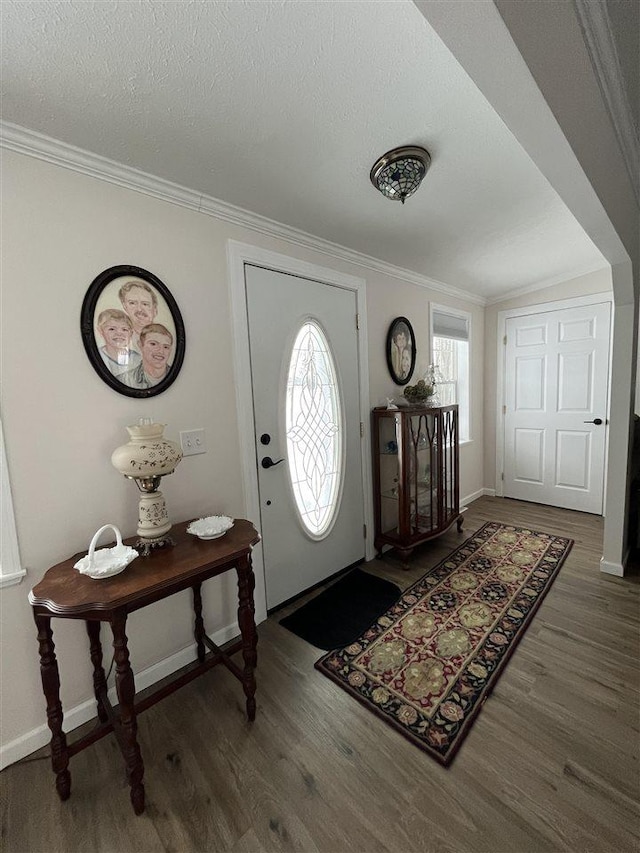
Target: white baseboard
x,y
609,568
475,495
85,711
467,499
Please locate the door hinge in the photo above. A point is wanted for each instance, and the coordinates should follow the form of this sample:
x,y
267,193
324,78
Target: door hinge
x,y
504,341
361,430
364,531
504,410
502,476
357,322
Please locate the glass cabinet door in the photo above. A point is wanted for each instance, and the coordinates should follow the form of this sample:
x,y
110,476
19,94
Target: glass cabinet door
x,y
449,465
422,471
389,442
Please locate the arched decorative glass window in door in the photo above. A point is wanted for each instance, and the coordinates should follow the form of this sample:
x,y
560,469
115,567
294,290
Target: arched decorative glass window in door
x,y
314,430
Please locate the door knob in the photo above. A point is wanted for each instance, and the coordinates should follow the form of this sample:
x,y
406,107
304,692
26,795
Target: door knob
x,y
596,421
268,462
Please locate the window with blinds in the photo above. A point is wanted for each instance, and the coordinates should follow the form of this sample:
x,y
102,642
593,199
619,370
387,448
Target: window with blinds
x,y
450,334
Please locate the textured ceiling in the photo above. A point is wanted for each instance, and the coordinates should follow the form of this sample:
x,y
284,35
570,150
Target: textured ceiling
x,y
281,108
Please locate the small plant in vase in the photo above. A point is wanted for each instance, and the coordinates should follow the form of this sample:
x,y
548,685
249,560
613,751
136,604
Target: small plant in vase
x,y
419,393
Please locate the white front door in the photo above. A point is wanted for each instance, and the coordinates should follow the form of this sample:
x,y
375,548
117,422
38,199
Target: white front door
x,y
304,372
556,369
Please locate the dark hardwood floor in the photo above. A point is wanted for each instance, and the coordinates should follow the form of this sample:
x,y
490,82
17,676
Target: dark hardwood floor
x,y
551,764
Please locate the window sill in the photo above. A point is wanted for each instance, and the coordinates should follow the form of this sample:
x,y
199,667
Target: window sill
x,y
12,579
465,442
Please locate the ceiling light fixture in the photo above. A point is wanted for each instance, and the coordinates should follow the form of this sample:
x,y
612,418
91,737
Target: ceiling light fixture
x,y
398,173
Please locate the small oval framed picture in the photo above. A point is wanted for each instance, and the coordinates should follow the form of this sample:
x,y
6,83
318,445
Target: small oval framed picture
x,y
132,331
401,350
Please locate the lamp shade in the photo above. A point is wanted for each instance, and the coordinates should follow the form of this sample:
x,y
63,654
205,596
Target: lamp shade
x,y
147,453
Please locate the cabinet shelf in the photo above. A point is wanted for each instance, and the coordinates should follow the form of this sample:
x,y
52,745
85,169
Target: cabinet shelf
x,y
417,496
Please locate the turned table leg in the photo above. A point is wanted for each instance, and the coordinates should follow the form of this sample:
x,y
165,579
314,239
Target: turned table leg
x,y
51,686
125,687
246,621
199,623
99,678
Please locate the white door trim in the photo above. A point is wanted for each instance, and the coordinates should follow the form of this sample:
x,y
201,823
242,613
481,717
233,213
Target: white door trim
x,y
540,308
237,255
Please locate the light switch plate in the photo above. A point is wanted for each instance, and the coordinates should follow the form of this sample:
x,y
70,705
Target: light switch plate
x,y
192,441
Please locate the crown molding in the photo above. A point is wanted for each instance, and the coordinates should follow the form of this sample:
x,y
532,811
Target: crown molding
x,y
596,27
34,144
541,285
37,145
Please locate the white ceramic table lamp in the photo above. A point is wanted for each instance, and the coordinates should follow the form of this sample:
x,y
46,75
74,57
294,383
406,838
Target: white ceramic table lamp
x,y
146,458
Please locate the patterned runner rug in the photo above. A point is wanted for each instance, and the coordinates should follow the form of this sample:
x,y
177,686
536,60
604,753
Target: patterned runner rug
x,y
430,661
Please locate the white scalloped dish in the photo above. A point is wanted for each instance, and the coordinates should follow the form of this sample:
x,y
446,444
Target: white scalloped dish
x,y
211,527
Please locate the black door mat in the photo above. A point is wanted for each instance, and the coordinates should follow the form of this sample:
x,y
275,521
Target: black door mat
x,y
342,612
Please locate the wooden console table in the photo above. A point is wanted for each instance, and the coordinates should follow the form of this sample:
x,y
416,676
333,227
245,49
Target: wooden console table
x,y
65,593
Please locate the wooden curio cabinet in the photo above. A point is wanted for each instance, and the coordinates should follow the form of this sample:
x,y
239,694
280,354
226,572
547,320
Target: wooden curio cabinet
x,y
415,475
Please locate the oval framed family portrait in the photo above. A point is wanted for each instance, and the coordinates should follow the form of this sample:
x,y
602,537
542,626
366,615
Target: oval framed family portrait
x,y
401,350
132,331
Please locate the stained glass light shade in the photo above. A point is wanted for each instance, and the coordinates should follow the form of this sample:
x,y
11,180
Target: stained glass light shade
x,y
398,173
314,430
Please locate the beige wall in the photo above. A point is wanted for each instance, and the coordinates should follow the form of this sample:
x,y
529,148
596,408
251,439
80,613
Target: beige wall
x,y
597,282
384,305
61,422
